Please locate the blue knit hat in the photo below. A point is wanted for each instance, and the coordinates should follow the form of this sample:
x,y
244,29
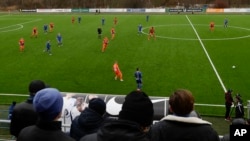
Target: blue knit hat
x,y
48,103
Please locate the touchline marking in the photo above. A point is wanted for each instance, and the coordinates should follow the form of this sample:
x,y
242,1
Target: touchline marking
x,y
210,61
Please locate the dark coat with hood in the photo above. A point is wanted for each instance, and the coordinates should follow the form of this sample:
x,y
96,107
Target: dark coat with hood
x,y
44,131
118,130
176,128
23,115
87,122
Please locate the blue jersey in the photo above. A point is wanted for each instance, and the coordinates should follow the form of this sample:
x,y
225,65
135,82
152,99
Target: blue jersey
x,y
59,38
140,28
103,21
225,21
79,19
45,27
138,75
48,45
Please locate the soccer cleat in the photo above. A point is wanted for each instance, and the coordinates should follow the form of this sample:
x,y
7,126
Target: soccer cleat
x,y
121,80
115,78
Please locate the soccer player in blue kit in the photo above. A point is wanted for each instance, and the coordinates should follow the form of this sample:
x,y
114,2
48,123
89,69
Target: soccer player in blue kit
x,y
138,78
139,29
45,28
48,47
59,40
225,22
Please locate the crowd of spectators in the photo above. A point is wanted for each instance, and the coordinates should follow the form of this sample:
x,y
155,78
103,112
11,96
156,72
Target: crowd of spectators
x,y
39,118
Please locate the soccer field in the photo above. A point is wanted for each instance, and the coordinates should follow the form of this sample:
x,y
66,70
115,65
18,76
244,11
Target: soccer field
x,y
185,54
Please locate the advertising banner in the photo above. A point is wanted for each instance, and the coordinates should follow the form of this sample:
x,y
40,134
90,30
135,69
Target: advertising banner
x,y
113,105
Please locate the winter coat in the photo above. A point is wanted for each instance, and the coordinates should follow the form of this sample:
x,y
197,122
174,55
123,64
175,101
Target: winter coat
x,y
44,131
118,130
23,115
175,128
87,122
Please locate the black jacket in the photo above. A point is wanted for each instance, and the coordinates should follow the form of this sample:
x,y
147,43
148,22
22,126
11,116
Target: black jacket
x,y
23,115
87,122
44,131
174,128
118,130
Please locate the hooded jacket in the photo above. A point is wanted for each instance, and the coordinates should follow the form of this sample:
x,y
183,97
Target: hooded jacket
x,y
87,122
176,128
118,130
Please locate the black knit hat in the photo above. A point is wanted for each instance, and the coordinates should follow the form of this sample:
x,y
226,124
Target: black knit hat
x,y
137,107
35,86
98,105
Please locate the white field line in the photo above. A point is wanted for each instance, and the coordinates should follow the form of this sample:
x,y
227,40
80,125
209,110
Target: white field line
x,y
198,104
208,57
19,24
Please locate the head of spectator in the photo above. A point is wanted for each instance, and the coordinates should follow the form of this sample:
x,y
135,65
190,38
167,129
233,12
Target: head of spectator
x,y
35,86
181,102
238,98
97,105
80,104
138,108
238,121
48,104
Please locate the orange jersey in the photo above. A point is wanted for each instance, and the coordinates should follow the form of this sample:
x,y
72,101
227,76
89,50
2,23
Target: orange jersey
x,y
152,31
21,42
51,25
105,41
212,24
112,31
116,68
115,20
34,30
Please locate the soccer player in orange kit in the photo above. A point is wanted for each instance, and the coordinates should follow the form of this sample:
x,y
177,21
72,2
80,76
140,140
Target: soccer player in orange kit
x,y
211,26
112,31
21,45
73,19
51,27
105,43
151,33
117,71
34,32
115,21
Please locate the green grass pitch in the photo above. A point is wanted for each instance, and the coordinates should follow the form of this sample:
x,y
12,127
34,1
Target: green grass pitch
x,y
176,59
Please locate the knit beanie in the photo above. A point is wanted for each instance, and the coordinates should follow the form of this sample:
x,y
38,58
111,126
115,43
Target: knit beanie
x,y
48,103
35,86
137,107
98,105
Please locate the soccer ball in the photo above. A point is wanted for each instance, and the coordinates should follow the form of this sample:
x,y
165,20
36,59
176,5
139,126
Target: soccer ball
x,y
233,67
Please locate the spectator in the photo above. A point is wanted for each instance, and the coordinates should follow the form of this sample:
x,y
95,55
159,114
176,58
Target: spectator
x,y
78,108
89,120
11,108
48,104
239,108
133,121
228,103
23,114
236,121
180,126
